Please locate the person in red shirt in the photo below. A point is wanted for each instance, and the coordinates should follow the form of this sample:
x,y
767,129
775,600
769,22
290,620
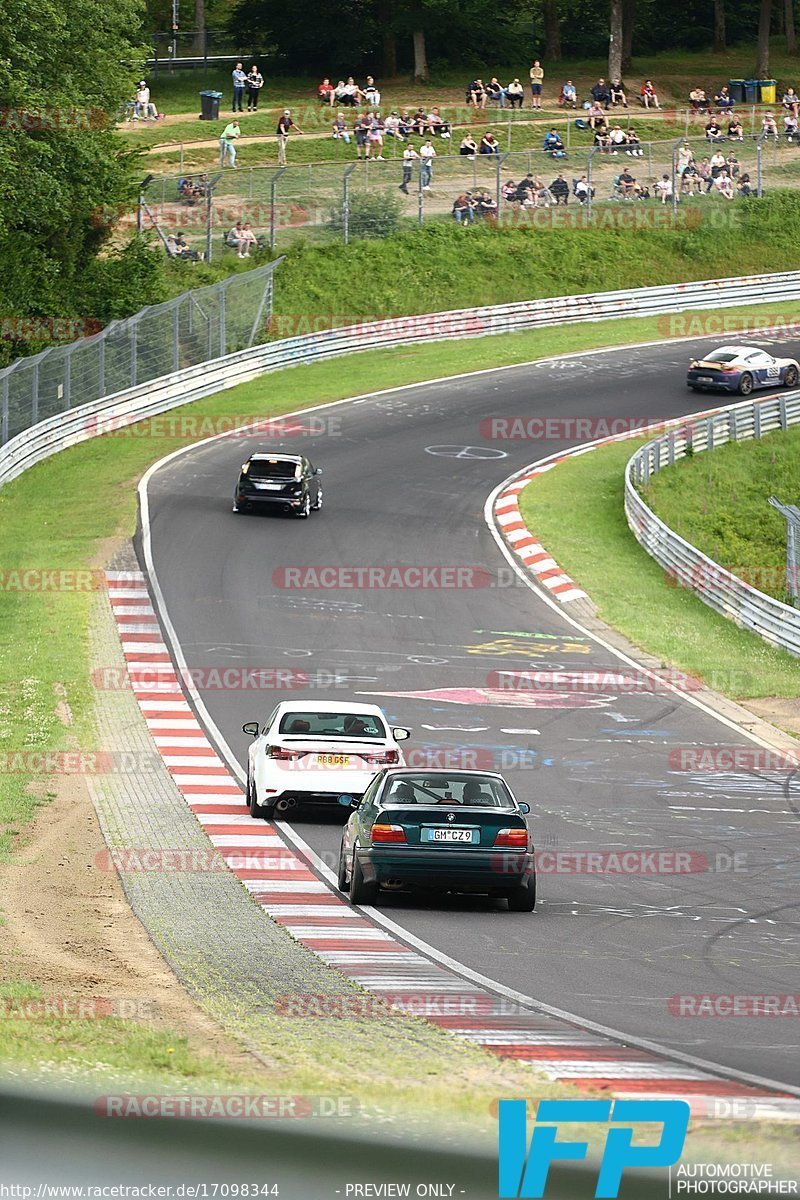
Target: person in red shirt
x,y
326,92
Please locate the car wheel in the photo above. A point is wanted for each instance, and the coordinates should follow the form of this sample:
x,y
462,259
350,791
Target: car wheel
x,y
255,811
305,511
361,892
318,505
341,878
790,378
523,898
746,384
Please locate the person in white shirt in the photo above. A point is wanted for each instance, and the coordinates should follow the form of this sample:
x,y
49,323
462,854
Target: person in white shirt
x,y
409,154
255,82
427,154
144,105
616,138
371,93
663,188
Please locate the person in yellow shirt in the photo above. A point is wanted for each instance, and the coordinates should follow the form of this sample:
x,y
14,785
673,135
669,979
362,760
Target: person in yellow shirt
x,y
537,80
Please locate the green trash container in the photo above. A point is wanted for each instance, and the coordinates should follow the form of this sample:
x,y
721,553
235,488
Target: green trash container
x,y
209,106
766,88
736,89
751,91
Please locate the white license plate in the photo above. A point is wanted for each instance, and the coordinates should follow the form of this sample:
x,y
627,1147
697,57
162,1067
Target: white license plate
x,y
448,835
269,487
705,378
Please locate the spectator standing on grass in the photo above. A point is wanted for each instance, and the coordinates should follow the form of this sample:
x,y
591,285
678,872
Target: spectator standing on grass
x,y
375,138
684,157
226,140
409,157
427,154
361,132
515,94
649,95
468,147
537,83
489,144
239,80
255,82
285,126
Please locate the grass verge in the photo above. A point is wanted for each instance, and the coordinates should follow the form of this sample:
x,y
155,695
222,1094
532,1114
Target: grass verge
x,y
632,592
718,502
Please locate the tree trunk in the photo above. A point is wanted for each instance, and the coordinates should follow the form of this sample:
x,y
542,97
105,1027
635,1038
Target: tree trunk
x,y
628,22
199,25
764,22
389,56
720,37
615,41
791,37
552,30
421,73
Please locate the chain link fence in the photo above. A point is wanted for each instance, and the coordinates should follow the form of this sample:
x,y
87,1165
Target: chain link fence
x,y
791,514
324,201
194,328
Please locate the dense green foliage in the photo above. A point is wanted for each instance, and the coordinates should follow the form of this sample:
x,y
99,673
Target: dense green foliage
x,y
64,71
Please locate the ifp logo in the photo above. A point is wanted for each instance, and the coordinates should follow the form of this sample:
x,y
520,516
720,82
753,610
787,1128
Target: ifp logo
x,y
523,1169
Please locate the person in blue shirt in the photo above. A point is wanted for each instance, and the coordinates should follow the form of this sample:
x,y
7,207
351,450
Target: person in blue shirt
x,y
239,83
552,142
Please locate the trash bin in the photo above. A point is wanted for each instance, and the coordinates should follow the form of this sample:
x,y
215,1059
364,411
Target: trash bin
x,y
736,89
209,106
751,91
766,89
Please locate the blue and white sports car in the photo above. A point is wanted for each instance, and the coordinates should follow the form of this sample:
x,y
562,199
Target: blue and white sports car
x,y
741,369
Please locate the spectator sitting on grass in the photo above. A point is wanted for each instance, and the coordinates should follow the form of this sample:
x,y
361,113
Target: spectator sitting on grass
x,y
713,131
716,164
704,171
494,91
724,100
768,127
580,189
616,139
600,93
698,100
735,130
627,183
569,95
552,143
509,192
515,94
419,122
468,146
352,89
178,247
476,94
235,239
371,93
347,94
633,143
144,106
602,139
484,205
744,186
249,239
649,95
617,93
489,144
392,125
724,185
663,188
559,189
732,163
327,92
596,116
340,130
405,123
691,183
462,209
790,126
437,124
791,100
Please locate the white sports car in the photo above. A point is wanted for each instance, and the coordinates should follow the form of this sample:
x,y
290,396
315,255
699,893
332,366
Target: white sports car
x,y
741,369
314,753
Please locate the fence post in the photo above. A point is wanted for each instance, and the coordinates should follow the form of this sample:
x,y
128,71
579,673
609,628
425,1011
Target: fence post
x,y
35,393
420,197
4,411
101,367
589,167
134,346
176,327
498,165
273,188
759,165
675,184
67,381
346,202
223,335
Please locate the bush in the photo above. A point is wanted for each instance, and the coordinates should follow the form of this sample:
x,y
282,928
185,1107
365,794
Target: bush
x,y
372,215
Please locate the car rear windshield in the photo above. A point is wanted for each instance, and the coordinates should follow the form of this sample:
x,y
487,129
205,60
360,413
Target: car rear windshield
x,y
467,791
332,724
721,357
267,469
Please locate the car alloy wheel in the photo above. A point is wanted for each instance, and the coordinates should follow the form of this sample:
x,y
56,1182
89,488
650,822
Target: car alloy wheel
x,y
305,511
790,378
746,384
318,505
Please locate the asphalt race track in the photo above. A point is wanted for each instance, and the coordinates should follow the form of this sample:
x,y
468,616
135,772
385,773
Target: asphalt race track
x,y
596,770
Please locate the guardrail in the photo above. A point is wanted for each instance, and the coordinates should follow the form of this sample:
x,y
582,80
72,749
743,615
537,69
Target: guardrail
x,y
170,391
774,621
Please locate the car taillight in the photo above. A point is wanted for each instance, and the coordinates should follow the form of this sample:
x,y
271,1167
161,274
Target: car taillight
x,y
386,756
388,833
281,752
727,370
512,837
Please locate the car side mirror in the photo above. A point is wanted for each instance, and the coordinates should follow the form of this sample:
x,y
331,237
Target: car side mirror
x,y
317,470
348,801
525,808
251,727
400,734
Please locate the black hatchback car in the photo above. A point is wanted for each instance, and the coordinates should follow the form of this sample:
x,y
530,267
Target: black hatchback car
x,y
284,481
453,831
